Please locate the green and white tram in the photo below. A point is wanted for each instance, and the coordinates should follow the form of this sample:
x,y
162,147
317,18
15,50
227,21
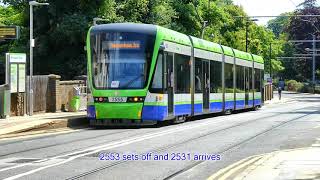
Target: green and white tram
x,y
141,73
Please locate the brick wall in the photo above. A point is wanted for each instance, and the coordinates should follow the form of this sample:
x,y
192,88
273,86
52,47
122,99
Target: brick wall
x,y
66,93
60,93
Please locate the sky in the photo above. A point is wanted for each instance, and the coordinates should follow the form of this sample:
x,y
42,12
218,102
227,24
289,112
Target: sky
x,y
267,7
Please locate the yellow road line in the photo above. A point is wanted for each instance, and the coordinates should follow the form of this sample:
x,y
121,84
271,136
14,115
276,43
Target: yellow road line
x,y
224,173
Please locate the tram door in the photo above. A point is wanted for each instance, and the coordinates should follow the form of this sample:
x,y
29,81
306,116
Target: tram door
x,y
206,85
170,81
247,84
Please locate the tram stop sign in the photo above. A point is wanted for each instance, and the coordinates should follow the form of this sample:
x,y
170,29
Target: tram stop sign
x,y
16,72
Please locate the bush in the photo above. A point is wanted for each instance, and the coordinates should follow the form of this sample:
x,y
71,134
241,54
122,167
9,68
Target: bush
x,y
305,89
317,90
293,85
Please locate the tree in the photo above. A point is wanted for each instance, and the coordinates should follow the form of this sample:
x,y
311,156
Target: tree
x,y
61,28
279,24
303,28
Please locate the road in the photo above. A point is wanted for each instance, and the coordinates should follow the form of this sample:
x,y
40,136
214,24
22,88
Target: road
x,y
205,146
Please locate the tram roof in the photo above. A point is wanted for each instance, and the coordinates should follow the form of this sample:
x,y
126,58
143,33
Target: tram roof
x,y
174,36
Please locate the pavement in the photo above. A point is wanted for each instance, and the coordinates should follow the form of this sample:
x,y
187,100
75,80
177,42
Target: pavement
x,y
297,164
284,99
302,164
13,126
279,141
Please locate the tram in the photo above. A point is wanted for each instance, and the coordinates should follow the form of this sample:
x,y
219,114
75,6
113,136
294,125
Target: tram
x,y
144,74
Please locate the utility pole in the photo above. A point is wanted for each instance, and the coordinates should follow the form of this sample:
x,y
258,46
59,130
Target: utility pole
x,y
314,62
270,60
246,35
247,31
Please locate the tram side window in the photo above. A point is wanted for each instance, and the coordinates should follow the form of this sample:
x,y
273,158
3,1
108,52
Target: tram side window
x,y
215,77
240,79
157,83
257,79
198,75
262,78
250,80
182,73
2,74
229,78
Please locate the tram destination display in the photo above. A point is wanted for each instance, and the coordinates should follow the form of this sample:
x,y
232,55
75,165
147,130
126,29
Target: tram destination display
x,y
9,32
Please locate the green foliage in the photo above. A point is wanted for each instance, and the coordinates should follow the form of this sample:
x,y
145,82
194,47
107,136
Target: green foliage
x,y
60,29
277,65
279,24
297,28
293,85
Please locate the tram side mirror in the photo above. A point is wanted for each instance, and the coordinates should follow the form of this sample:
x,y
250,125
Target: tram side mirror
x,y
85,48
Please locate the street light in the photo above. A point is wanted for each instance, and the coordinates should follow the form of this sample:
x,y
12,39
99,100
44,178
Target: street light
x,y
32,45
308,49
204,25
247,33
96,19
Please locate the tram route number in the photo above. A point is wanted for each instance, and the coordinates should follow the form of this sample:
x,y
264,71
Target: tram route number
x,y
159,157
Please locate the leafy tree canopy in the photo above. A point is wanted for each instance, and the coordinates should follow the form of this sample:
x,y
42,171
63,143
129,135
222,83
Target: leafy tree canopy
x,y
60,29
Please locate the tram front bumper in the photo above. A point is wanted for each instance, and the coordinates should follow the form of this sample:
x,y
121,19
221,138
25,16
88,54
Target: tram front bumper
x,y
116,111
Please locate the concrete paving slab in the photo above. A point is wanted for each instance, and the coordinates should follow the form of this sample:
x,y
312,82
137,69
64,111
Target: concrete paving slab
x,y
301,164
13,125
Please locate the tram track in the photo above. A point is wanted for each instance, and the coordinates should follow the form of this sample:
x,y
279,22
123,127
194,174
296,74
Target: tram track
x,y
83,139
63,143
235,146
162,149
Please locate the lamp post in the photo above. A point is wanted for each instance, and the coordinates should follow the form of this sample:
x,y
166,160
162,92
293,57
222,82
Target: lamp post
x,y
314,54
96,19
247,33
204,25
32,45
270,60
314,62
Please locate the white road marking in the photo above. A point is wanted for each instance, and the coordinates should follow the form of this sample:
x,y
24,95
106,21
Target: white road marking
x,y
209,122
97,149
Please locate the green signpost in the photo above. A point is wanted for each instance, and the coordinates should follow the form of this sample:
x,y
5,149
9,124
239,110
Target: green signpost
x,y
16,78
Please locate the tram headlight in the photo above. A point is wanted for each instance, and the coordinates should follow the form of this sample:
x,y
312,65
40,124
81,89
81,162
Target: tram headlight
x,y
100,99
135,99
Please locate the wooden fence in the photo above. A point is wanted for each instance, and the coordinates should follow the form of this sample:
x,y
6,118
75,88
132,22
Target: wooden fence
x,y
268,92
49,95
40,89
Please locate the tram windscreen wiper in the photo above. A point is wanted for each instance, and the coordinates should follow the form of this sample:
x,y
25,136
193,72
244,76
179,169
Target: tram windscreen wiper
x,y
133,80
